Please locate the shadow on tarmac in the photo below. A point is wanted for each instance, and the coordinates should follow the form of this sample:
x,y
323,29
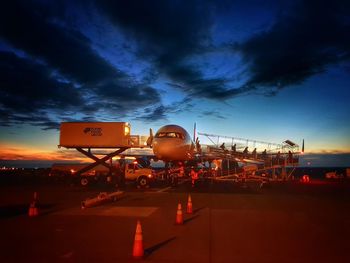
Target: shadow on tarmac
x,y
47,209
190,219
150,250
199,209
13,210
9,211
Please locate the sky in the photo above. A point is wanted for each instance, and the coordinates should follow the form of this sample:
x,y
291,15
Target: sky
x,y
266,70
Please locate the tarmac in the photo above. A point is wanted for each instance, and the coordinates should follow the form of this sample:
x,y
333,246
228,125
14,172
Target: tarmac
x,y
286,222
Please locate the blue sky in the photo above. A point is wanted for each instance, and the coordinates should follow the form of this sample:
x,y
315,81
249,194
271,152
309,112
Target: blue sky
x,y
268,71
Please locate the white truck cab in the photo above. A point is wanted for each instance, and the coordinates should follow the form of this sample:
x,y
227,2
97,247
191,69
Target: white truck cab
x,y
134,171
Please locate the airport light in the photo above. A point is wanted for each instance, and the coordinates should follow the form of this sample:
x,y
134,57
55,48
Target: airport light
x,y
126,130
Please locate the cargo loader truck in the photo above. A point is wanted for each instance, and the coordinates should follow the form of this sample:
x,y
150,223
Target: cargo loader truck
x,y
89,138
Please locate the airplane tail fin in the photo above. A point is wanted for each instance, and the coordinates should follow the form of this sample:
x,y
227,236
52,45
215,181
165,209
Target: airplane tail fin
x,y
150,138
196,139
303,147
194,132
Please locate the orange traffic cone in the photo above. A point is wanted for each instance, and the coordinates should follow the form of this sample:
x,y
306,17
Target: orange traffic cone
x,y
33,210
179,219
189,205
138,243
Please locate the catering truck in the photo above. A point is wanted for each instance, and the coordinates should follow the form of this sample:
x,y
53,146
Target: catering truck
x,y
130,171
87,136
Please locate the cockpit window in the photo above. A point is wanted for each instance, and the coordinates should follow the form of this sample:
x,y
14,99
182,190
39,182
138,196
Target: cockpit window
x,y
169,135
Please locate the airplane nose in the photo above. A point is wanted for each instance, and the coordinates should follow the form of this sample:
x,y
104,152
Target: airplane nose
x,y
163,150
166,150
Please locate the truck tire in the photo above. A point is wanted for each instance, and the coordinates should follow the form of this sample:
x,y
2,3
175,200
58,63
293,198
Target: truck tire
x,y
143,182
84,181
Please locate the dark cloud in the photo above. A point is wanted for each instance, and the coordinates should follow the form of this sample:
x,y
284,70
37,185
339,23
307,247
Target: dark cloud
x,y
303,42
161,25
134,95
28,26
306,38
153,114
60,73
169,33
41,30
214,113
28,90
28,86
160,112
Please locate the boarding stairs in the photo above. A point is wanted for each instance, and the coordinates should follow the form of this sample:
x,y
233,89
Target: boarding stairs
x,y
267,157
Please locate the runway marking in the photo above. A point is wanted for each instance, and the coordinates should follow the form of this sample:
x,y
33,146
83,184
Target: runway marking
x,y
164,189
129,211
123,211
67,255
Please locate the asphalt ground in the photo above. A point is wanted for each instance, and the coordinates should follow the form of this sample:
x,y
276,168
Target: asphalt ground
x,y
285,222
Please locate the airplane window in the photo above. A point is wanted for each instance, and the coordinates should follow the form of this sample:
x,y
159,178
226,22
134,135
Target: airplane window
x,y
169,135
160,135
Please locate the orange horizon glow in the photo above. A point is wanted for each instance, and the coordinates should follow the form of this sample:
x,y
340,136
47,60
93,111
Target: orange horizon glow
x,y
16,152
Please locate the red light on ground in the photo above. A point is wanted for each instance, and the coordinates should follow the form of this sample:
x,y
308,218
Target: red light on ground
x,y
305,179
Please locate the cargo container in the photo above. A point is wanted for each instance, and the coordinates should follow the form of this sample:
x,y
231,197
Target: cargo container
x,y
95,135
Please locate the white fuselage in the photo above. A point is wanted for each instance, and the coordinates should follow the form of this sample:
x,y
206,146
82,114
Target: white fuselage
x,y
173,143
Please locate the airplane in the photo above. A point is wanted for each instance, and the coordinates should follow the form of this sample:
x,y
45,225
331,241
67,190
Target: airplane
x,y
172,143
